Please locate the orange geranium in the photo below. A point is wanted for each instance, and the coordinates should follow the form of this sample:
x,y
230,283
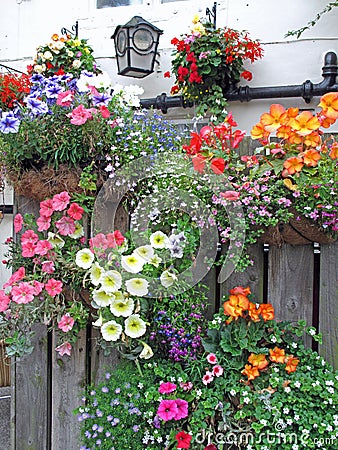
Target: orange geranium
x,y
236,305
311,157
329,104
293,164
258,361
273,120
291,363
334,151
251,372
305,123
254,312
267,311
277,355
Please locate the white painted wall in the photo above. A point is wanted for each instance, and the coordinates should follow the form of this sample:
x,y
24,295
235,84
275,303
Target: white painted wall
x,y
26,24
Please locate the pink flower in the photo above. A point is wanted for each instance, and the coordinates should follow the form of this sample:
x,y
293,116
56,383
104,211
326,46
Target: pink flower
x,y
29,236
65,98
65,225
208,377
18,222
43,223
37,287
75,211
15,277
230,195
167,410
43,247
4,301
48,267
217,371
211,358
98,244
46,208
114,239
210,447
66,323
53,287
80,115
22,293
182,409
186,386
28,249
64,349
61,201
167,388
105,113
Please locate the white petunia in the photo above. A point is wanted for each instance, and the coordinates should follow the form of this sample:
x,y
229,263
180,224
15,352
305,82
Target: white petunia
x,y
96,272
79,231
55,240
132,263
111,281
168,278
147,351
123,307
159,240
84,258
111,331
155,261
146,252
135,327
102,298
137,286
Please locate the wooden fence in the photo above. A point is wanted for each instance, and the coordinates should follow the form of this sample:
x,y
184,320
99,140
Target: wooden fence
x,y
300,282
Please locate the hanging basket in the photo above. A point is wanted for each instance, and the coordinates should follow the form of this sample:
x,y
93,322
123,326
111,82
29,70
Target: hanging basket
x,y
5,367
298,231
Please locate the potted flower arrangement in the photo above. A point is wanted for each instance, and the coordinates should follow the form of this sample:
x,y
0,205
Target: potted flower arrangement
x,y
254,386
208,62
13,88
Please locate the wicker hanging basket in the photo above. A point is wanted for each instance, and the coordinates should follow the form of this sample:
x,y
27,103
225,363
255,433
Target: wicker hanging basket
x,y
5,367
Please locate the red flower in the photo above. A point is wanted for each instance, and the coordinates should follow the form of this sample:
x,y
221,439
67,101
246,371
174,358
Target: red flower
x,y
198,163
246,75
210,447
183,439
218,165
166,74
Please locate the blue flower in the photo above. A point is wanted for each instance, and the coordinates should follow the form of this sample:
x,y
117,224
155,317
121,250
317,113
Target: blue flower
x,y
9,123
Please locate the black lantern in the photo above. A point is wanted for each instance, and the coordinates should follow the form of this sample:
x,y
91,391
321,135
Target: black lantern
x,y
136,45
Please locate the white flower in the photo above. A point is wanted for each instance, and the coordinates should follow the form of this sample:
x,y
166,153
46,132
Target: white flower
x,y
79,231
147,351
286,410
48,56
287,389
159,240
122,307
167,278
146,252
102,298
98,322
246,400
76,63
297,384
111,281
132,263
111,331
55,240
137,286
96,272
84,258
135,327
155,261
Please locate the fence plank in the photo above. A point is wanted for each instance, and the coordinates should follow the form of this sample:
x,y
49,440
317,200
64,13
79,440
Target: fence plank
x,y
68,380
29,408
328,296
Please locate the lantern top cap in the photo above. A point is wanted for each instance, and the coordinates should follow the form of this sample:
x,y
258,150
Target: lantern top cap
x,y
134,22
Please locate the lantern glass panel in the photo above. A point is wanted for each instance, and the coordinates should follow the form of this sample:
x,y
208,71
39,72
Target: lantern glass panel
x,y
143,40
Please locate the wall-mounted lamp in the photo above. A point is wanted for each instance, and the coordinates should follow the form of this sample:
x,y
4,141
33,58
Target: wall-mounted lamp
x,y
136,45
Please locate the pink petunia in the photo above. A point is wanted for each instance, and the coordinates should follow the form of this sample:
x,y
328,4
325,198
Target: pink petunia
x,y
53,287
105,113
37,287
61,201
48,267
182,409
43,247
230,195
75,211
65,225
187,386
66,323
217,371
4,301
80,115
64,349
15,277
211,358
98,244
208,377
167,388
22,293
43,223
46,208
65,98
28,249
115,239
29,236
167,410
18,222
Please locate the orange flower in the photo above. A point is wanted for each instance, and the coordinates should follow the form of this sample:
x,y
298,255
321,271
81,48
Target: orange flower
x,y
294,138
240,290
305,123
292,112
55,37
250,371
258,132
311,157
236,305
325,122
258,361
267,312
283,132
293,164
334,151
329,103
254,312
291,363
277,117
312,140
277,355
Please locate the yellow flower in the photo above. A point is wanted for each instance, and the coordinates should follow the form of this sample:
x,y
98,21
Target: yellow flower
x,y
123,307
102,298
134,326
111,331
132,263
196,18
147,351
